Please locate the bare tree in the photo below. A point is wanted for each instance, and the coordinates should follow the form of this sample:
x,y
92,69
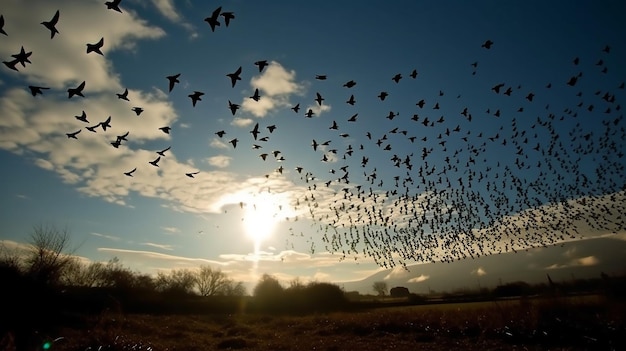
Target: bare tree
x,y
48,257
380,288
177,281
212,282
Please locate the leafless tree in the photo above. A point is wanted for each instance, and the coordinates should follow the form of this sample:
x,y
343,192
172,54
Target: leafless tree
x,y
177,281
211,282
49,254
380,288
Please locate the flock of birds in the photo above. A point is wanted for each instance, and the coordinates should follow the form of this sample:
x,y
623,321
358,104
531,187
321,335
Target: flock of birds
x,y
447,198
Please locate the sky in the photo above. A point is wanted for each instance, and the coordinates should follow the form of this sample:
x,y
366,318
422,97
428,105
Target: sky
x,y
486,150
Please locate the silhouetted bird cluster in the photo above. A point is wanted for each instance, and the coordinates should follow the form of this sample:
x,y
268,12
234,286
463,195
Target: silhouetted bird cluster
x,y
464,189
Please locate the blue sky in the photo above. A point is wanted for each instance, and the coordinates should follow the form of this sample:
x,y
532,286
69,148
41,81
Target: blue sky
x,y
488,185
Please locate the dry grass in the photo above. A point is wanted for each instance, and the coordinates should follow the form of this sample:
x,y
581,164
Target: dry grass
x,y
555,324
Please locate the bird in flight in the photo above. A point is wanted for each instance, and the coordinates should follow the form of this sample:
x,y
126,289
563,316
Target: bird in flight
x,y
256,95
166,130
414,74
155,162
82,117
106,124
137,110
261,64
114,5
320,77
123,96
213,19
73,135
271,128
296,108
51,25
191,174
319,99
383,95
397,78
23,56
255,131
349,84
234,77
11,64
76,91
2,25
487,44
162,152
34,90
310,113
220,133
173,80
93,128
234,142
96,47
130,173
227,17
233,107
195,97
351,100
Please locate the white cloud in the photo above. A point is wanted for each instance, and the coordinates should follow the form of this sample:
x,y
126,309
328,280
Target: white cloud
x,y
167,9
218,143
159,246
419,279
479,271
220,161
242,122
171,230
110,237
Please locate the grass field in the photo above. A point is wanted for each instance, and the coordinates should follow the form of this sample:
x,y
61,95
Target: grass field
x,y
573,323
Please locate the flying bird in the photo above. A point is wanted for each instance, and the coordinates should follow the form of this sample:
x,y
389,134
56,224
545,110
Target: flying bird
x,y
220,133
271,128
155,162
319,99
11,64
255,131
34,90
296,108
123,96
349,84
397,78
106,124
195,97
234,142
383,95
173,80
256,95
2,25
130,173
73,135
213,19
321,77
414,74
261,64
114,5
137,110
93,128
487,44
227,17
309,113
23,56
351,100
233,107
191,174
166,130
234,77
51,25
82,117
162,152
96,47
76,91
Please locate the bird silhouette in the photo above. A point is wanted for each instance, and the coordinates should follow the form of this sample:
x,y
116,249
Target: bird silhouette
x,y
11,64
397,78
255,131
234,142
349,84
22,57
309,113
165,130
73,135
137,110
261,64
227,17
123,96
51,25
34,90
96,47
256,95
114,5
162,152
191,174
155,162
195,97
296,108
106,124
82,117
93,128
383,95
487,44
173,79
76,91
233,107
271,128
351,100
130,173
220,133
213,19
235,76
414,74
2,25
319,99
321,77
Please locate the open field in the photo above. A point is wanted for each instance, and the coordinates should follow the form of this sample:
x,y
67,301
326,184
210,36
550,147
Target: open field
x,y
574,323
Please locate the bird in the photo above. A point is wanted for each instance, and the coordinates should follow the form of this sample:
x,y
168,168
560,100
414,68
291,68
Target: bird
x,y
155,162
51,25
234,77
353,118
130,173
22,57
106,124
255,131
123,96
319,99
191,174
220,133
162,152
34,90
93,128
82,117
116,144
11,64
195,97
296,108
2,25
351,100
382,95
173,80
572,81
114,5
349,84
496,88
309,113
271,128
233,107
234,142
213,19
487,44
414,74
227,17
76,91
166,130
334,126
256,95
315,145
123,137
397,78
321,77
73,135
137,110
96,47
261,64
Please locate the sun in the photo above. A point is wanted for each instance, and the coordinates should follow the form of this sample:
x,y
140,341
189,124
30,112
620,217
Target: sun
x,y
262,212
